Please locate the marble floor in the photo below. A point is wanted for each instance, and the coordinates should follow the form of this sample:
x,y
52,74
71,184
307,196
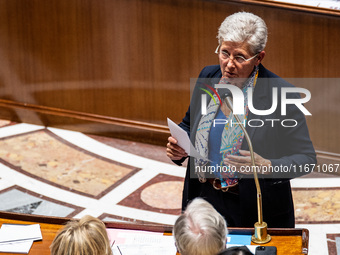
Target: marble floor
x,y
49,171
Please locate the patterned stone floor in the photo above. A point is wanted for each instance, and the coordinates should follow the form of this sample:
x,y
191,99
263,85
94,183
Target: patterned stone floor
x,y
55,172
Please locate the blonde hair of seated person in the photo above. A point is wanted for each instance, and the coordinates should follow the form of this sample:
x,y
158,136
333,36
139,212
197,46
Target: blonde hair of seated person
x,y
87,236
200,230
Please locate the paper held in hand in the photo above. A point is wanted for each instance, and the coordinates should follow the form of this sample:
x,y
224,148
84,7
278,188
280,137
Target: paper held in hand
x,y
183,140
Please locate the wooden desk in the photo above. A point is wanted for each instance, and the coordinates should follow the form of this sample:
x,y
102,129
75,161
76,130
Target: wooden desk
x,y
287,241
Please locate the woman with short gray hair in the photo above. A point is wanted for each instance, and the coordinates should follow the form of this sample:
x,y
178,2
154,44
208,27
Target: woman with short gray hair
x,y
200,230
223,174
244,27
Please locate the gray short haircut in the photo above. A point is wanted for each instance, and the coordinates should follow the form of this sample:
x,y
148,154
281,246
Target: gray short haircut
x,y
244,27
200,230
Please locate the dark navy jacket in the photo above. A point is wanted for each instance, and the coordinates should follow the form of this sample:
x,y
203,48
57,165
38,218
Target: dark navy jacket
x,y
284,146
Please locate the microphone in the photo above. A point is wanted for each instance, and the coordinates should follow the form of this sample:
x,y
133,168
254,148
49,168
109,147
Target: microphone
x,y
227,97
260,233
224,93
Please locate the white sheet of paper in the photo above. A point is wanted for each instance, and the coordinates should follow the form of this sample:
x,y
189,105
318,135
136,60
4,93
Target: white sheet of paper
x,y
131,242
183,140
152,249
16,247
16,232
128,236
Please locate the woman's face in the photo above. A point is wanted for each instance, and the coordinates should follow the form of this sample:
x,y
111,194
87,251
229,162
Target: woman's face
x,y
230,67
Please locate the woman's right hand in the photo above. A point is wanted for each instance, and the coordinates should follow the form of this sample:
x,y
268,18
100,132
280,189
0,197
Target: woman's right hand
x,y
173,151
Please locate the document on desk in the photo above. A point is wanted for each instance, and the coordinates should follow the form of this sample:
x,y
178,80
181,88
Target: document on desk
x,y
183,140
16,247
17,232
155,249
131,242
17,238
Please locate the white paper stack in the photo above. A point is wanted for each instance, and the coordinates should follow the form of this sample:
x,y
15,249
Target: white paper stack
x,y
132,242
16,238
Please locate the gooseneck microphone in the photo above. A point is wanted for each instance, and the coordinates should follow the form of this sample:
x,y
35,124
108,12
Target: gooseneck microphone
x,y
260,234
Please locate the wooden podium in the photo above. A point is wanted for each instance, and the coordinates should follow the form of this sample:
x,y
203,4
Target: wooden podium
x,y
287,241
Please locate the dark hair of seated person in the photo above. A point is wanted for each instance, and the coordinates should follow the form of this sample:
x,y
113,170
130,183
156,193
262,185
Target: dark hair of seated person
x,y
236,250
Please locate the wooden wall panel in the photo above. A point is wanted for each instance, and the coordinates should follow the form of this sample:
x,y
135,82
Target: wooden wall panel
x,y
133,59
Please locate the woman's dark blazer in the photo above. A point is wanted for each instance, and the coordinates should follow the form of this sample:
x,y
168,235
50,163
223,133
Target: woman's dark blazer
x,y
284,146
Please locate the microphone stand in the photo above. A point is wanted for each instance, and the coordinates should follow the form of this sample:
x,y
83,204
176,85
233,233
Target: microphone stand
x,y
260,233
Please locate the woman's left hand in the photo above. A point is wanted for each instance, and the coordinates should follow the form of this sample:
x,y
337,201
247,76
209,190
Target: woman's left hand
x,y
243,163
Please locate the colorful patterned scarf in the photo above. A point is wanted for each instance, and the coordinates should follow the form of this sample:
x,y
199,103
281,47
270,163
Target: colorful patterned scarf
x,y
231,140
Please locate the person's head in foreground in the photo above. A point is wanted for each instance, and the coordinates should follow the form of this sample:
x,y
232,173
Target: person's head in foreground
x,y
200,230
87,236
242,38
240,250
